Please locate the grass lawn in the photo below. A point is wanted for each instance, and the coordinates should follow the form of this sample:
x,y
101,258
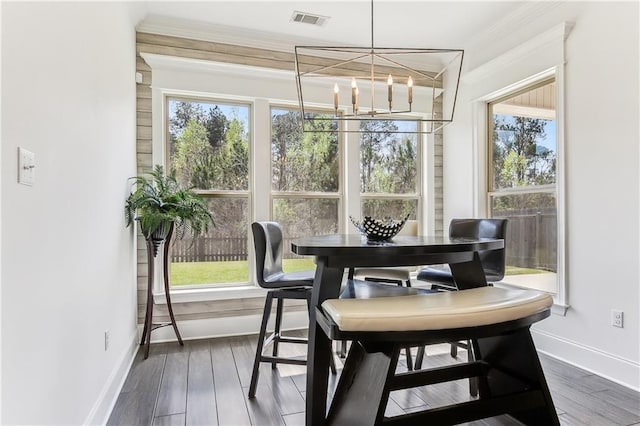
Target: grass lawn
x,y
516,270
193,273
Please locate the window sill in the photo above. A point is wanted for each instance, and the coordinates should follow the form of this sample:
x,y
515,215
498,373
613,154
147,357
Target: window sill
x,y
209,294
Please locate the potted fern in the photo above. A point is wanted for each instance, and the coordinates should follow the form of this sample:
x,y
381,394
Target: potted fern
x,y
159,203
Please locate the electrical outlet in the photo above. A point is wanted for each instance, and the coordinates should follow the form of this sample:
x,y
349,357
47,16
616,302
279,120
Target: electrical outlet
x,y
106,340
617,318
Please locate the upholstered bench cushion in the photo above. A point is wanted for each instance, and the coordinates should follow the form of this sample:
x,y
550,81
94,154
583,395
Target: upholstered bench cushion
x,y
445,310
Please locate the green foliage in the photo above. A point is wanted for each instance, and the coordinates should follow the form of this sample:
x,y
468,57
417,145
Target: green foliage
x,y
518,160
232,158
192,155
209,150
159,199
513,169
388,160
183,114
216,124
303,161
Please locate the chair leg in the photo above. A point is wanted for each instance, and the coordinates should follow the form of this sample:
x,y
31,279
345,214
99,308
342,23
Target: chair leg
x,y
407,351
332,364
276,331
454,350
419,358
261,337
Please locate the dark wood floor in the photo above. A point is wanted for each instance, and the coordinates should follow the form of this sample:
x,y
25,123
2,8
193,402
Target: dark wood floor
x,y
206,381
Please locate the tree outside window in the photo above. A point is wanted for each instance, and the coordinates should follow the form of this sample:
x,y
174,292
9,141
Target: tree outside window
x,y
208,147
305,175
389,169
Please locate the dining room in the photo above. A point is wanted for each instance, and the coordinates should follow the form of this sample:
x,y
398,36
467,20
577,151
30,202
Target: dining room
x,y
531,118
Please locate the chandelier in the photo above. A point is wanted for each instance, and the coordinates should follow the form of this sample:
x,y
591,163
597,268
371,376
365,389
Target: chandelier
x,y
377,83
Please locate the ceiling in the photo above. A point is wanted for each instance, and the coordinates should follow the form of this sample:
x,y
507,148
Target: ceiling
x,y
427,24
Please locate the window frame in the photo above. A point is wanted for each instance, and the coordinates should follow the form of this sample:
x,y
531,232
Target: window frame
x,y
492,192
481,136
187,83
215,193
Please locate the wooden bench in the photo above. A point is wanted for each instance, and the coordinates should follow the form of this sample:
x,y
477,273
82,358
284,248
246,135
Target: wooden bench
x,y
496,320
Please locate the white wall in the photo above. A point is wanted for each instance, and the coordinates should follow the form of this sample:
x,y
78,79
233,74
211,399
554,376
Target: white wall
x,y
67,259
602,183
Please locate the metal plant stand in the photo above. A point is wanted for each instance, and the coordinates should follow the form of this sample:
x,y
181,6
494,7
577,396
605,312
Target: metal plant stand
x,y
149,326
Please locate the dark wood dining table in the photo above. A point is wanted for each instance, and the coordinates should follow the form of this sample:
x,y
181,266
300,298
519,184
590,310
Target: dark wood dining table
x,y
337,252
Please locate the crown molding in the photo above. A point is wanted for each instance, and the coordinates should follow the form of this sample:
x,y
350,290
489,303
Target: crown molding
x,y
552,37
519,18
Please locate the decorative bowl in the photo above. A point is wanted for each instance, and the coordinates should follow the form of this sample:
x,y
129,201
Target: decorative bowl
x,y
379,229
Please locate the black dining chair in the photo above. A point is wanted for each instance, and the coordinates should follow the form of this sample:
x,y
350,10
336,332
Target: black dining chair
x,y
268,242
493,263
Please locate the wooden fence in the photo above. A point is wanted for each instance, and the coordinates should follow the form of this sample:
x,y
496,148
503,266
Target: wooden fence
x,y
217,249
531,243
209,249
532,238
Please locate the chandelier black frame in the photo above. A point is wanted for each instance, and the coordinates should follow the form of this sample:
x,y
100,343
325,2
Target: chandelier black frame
x,y
393,81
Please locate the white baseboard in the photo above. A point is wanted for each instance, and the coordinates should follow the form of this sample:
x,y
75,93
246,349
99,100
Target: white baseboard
x,y
610,366
227,326
101,410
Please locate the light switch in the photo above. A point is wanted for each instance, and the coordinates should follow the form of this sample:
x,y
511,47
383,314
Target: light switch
x,y
26,167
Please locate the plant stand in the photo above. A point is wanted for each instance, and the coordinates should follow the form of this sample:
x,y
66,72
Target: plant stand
x,y
149,326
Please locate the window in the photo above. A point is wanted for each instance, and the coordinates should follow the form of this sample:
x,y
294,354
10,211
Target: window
x,y
305,179
208,147
522,182
389,169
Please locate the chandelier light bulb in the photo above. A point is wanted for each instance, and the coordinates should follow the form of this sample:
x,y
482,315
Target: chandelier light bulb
x,y
370,67
354,93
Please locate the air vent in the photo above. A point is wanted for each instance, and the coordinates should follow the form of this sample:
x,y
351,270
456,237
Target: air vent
x,y
309,18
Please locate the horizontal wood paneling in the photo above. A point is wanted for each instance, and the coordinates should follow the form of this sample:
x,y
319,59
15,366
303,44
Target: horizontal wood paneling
x,y
143,91
144,104
144,160
143,132
145,146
